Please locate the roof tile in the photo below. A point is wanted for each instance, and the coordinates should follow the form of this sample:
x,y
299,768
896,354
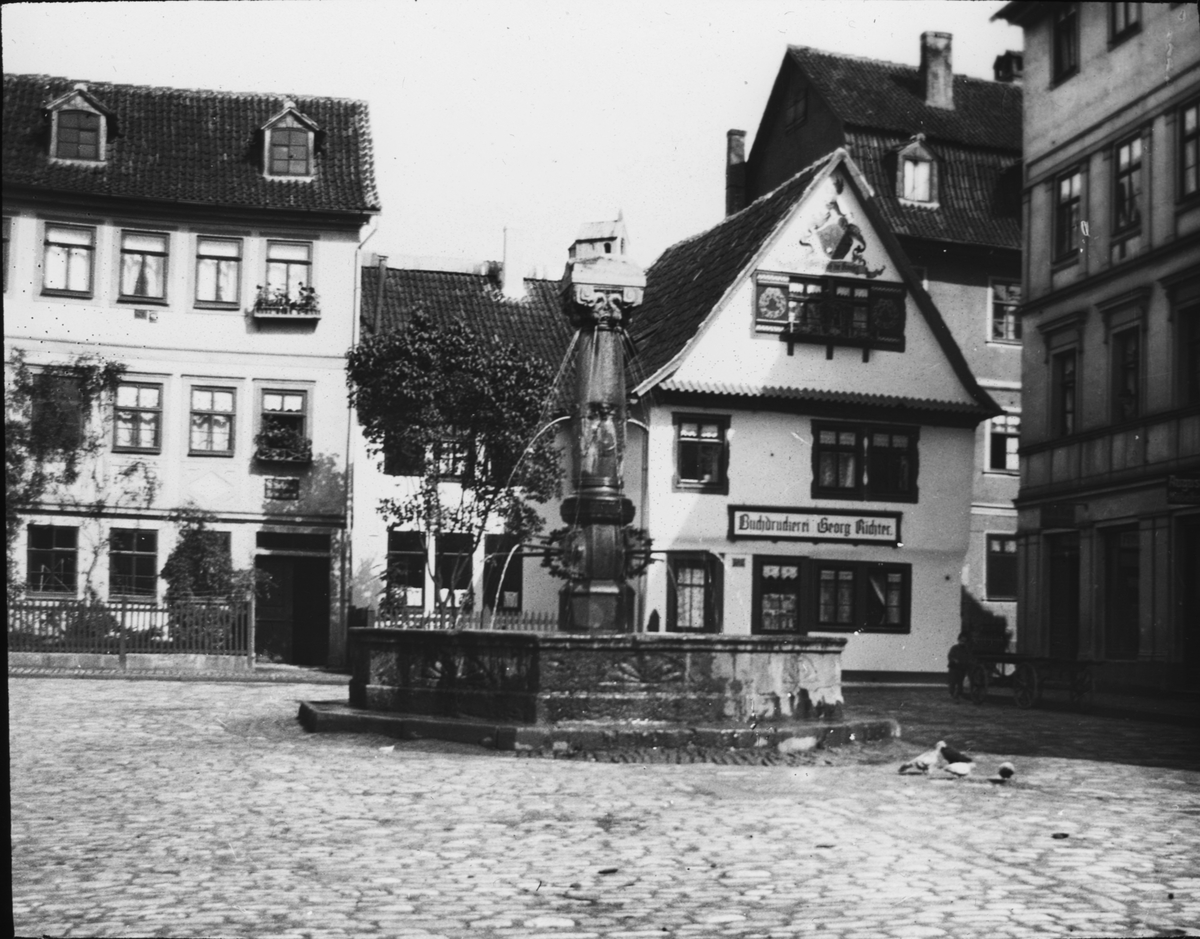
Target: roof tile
x,y
179,145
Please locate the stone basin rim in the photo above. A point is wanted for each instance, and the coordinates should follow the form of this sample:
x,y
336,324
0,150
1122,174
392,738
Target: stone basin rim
x,y
622,640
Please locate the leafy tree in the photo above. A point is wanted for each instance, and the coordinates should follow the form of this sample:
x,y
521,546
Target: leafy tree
x,y
201,565
49,432
463,414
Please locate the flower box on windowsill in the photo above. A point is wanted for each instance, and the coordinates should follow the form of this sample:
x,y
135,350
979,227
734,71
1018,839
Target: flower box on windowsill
x,y
277,305
282,448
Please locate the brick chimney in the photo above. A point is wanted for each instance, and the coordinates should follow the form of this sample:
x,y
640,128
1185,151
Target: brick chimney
x,y
512,274
936,72
735,171
1009,67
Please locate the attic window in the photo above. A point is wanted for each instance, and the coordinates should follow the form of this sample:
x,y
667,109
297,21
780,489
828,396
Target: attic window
x,y
78,135
797,109
289,147
917,173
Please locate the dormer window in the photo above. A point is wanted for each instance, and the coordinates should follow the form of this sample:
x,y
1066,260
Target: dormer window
x,y
78,136
916,180
288,142
80,127
917,173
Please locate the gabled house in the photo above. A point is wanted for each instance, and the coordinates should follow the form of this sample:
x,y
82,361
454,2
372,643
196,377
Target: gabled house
x,y
810,430
208,242
502,578
942,155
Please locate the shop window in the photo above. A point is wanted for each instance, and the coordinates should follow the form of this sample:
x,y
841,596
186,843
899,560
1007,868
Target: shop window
x,y
693,592
1062,390
143,266
218,270
501,561
1124,20
78,135
1004,439
1067,217
68,260
1066,41
777,595
871,462
1006,300
1126,374
1189,150
52,559
212,418
138,423
453,569
132,563
701,452
1001,567
862,596
404,582
1122,587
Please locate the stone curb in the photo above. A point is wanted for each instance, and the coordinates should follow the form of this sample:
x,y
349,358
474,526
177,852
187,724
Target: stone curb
x,y
575,736
224,677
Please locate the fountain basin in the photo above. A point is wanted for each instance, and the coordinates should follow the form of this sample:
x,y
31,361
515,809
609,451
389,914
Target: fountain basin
x,y
548,678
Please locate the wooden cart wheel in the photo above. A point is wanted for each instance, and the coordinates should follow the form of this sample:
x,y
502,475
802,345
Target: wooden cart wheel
x,y
1083,684
1025,686
957,676
978,677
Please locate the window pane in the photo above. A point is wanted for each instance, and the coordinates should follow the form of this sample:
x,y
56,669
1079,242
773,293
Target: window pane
x,y
282,251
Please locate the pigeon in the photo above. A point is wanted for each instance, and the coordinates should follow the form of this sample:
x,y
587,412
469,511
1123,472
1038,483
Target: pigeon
x,y
925,762
1006,771
959,769
950,755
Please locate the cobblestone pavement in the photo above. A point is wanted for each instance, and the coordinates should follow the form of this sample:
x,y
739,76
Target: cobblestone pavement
x,y
148,808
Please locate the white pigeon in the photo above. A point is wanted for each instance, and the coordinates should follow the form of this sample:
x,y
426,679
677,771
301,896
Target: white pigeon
x,y
959,769
925,762
1006,771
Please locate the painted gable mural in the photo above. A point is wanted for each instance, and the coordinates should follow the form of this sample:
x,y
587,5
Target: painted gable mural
x,y
824,306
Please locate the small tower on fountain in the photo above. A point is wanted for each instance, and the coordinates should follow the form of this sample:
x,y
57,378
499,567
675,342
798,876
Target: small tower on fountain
x,y
600,289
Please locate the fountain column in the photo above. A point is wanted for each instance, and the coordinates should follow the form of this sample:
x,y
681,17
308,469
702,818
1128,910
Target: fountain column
x,y
599,294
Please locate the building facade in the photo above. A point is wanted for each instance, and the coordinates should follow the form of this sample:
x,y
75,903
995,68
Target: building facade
x,y
942,155
810,431
1110,446
208,243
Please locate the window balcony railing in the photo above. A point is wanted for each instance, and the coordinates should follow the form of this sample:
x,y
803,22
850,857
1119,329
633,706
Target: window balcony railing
x,y
276,445
279,304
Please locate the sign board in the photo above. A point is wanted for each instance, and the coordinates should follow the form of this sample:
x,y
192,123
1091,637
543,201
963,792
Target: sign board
x,y
1183,490
771,523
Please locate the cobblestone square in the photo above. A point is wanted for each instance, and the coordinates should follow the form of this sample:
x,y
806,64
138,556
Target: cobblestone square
x,y
166,808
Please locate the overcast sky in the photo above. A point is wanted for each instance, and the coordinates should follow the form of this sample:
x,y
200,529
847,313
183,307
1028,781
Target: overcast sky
x,y
536,115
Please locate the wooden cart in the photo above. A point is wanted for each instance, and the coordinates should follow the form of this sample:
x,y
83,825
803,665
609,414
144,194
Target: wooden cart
x,y
972,672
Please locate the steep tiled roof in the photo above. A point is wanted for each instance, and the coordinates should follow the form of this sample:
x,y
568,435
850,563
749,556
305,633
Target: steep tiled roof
x,y
689,278
686,284
535,323
199,147
869,93
979,191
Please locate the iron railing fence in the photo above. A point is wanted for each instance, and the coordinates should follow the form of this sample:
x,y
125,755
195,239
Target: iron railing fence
x,y
451,619
205,626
